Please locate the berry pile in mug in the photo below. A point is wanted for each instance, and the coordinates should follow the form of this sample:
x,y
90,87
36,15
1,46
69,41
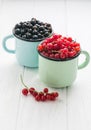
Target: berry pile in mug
x,y
44,95
32,30
58,47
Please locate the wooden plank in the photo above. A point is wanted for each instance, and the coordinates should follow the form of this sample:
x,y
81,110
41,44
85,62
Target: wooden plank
x,y
79,95
9,92
39,115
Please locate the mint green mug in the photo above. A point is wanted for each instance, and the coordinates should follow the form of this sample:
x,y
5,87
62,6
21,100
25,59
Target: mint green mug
x,y
26,52
59,74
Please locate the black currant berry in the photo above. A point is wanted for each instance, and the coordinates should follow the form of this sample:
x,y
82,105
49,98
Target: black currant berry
x,y
33,22
35,37
22,31
24,36
18,26
41,28
40,36
30,30
35,32
28,35
17,31
46,34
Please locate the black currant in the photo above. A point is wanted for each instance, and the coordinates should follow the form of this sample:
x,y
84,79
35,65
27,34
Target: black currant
x,y
35,32
35,37
33,22
17,31
46,34
24,36
40,36
41,28
28,35
17,26
22,31
30,30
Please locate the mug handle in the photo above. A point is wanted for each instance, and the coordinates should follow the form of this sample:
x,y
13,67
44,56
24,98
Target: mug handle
x,y
87,59
5,45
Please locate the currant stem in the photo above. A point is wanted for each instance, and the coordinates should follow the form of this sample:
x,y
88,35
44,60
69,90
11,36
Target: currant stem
x,y
22,81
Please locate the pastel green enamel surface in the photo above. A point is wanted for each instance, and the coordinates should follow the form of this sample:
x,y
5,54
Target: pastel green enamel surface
x,y
87,59
59,74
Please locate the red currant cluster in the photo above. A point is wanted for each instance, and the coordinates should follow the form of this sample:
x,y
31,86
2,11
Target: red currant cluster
x,y
58,47
39,96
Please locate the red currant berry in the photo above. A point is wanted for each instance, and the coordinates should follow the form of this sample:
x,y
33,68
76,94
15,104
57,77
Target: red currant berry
x,y
62,56
40,48
52,97
49,46
48,96
72,53
69,39
67,43
46,54
52,56
35,93
77,48
43,98
31,90
56,36
25,91
57,56
48,40
56,47
41,94
55,94
37,98
45,90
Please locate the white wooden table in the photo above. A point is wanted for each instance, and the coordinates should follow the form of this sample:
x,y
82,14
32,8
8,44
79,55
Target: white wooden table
x,y
72,110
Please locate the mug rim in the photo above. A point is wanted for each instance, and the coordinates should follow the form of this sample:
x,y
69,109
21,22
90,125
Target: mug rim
x,y
58,60
28,40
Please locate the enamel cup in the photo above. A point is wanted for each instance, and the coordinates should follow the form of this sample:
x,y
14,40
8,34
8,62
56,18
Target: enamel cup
x,y
26,52
59,74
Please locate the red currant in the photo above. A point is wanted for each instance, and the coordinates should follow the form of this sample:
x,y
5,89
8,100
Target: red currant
x,y
57,56
52,56
56,47
31,90
37,98
72,53
45,90
43,98
62,56
56,36
25,91
77,48
69,39
35,93
49,46
59,47
55,94
52,97
40,48
48,96
41,94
